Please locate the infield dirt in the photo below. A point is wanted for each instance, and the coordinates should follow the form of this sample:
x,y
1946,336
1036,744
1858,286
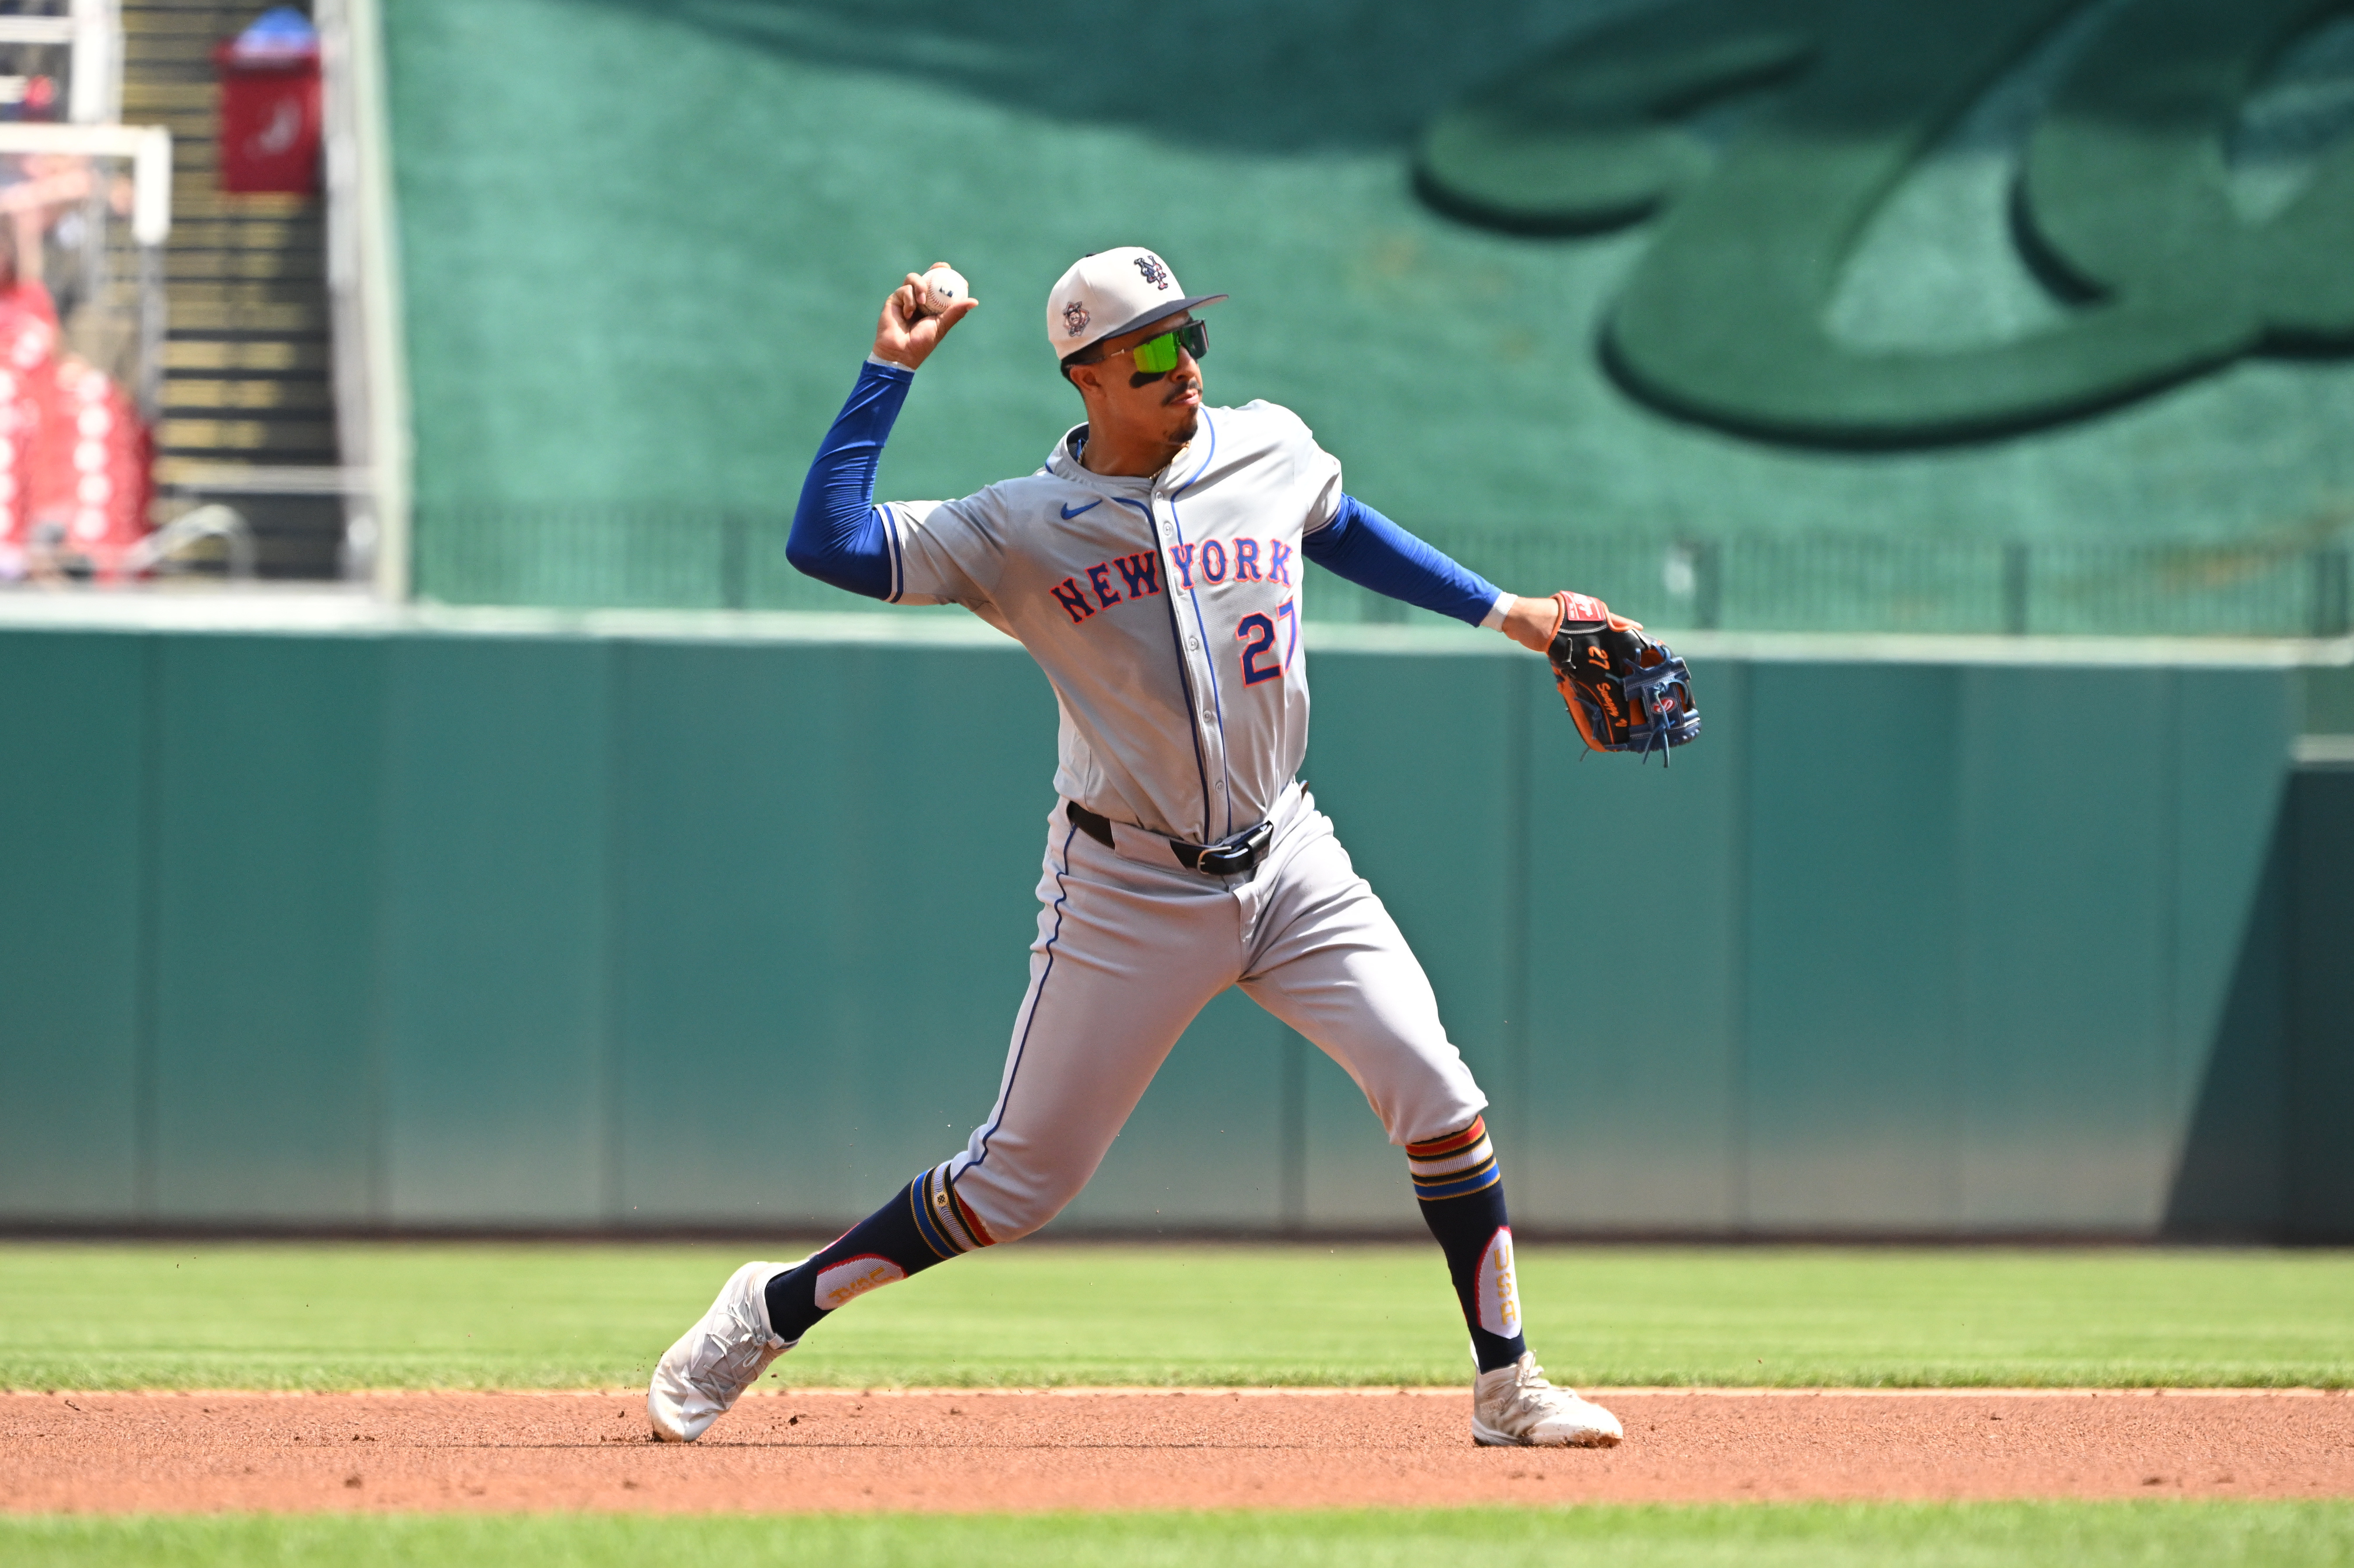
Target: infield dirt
x,y
960,1450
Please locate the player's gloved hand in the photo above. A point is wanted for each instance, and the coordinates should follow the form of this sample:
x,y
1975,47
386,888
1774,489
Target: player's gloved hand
x,y
1587,612
1625,691
905,334
1532,622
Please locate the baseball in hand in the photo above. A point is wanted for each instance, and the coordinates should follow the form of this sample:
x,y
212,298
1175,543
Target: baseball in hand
x,y
943,287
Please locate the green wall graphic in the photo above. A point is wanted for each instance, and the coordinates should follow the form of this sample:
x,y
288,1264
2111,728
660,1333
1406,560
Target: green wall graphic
x,y
2125,201
644,242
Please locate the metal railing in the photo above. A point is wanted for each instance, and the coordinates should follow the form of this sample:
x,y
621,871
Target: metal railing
x,y
1832,583
653,557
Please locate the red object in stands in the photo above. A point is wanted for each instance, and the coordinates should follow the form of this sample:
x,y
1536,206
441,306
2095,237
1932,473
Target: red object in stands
x,y
76,460
28,341
269,121
89,467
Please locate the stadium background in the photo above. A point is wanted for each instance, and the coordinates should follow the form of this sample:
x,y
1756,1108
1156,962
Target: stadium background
x,y
495,908
641,273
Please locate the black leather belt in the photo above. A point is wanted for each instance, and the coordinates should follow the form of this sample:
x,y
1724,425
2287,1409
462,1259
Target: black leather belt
x,y
1236,856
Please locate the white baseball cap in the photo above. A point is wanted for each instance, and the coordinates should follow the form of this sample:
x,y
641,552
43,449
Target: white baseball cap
x,y
1113,291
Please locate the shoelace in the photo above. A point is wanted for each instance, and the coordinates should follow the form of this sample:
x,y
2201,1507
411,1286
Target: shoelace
x,y
1529,1389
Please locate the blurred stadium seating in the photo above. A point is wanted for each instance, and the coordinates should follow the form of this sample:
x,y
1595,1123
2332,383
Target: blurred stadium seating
x,y
248,400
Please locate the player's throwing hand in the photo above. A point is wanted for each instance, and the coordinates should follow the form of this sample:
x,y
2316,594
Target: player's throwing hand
x,y
907,332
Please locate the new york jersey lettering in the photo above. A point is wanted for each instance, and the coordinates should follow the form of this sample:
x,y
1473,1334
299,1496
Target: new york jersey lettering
x,y
1278,562
1211,563
1189,724
1074,601
1141,572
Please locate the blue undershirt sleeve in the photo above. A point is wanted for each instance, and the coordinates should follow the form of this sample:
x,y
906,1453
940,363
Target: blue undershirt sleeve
x,y
1371,551
838,533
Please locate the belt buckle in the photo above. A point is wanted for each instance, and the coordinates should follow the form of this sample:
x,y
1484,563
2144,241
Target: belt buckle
x,y
1237,856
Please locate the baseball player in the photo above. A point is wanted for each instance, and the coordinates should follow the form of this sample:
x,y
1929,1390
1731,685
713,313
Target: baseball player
x,y
1154,569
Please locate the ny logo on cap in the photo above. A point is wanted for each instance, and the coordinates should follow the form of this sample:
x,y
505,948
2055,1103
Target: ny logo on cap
x,y
1154,272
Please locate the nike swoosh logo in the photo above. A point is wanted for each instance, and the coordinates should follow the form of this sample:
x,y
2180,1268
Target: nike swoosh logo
x,y
1071,512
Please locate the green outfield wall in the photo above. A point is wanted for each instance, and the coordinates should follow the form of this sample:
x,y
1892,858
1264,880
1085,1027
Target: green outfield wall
x,y
1953,316
404,927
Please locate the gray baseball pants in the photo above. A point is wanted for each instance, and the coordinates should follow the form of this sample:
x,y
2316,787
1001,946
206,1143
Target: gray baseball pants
x,y
1129,951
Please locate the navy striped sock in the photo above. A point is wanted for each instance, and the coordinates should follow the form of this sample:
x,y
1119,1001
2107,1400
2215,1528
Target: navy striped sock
x,y
925,1223
1462,1193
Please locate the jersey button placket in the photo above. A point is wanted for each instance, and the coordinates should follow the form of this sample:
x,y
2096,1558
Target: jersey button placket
x,y
1198,659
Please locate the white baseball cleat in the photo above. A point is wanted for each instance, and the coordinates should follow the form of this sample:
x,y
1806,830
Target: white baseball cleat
x,y
1513,1406
713,1363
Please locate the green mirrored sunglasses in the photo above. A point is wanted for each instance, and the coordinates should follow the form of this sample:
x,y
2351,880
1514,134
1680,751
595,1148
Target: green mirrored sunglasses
x,y
1158,356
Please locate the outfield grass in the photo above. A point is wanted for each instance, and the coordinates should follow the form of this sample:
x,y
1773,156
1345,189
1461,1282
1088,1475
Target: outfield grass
x,y
1983,1535
381,1316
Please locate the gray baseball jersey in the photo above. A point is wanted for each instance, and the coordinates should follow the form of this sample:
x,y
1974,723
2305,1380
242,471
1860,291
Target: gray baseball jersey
x,y
1166,612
